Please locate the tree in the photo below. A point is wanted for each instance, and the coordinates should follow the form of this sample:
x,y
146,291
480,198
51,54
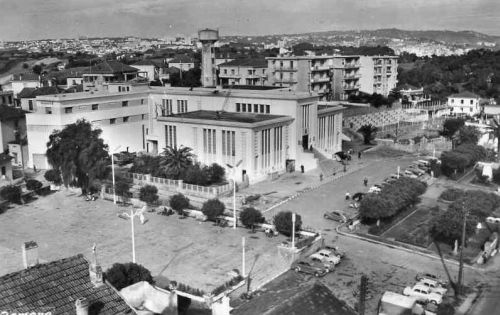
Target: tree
x,y
368,132
11,193
123,275
122,187
148,194
37,69
283,222
79,154
175,160
448,226
179,202
53,176
213,208
250,216
445,309
452,125
377,207
25,66
33,184
452,161
468,134
216,173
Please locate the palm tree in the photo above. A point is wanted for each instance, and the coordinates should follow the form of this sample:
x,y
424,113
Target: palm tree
x,y
368,132
175,160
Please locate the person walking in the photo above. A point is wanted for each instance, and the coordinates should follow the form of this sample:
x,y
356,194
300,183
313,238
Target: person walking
x,y
365,181
347,196
359,155
321,177
302,168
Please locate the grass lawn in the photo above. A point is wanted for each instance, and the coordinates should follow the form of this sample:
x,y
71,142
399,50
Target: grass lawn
x,y
195,253
414,229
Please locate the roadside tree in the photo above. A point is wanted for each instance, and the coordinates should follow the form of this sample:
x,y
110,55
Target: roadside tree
x,y
468,134
179,202
53,176
283,222
148,194
250,216
213,208
451,126
368,131
11,193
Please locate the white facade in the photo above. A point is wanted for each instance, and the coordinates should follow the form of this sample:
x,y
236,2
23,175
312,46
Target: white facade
x,y
378,74
72,81
18,85
464,104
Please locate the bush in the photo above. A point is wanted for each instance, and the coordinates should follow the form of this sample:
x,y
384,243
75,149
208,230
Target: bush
x,y
123,275
33,184
11,193
283,222
122,187
53,176
216,173
148,194
146,164
451,194
213,208
250,216
179,202
196,175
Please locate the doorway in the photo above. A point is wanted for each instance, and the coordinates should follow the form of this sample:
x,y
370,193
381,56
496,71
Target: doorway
x,y
305,142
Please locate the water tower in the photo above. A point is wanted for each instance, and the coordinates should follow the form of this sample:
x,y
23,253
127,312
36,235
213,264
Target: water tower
x,y
208,37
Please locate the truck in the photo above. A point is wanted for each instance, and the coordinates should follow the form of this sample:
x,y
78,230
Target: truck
x,y
393,303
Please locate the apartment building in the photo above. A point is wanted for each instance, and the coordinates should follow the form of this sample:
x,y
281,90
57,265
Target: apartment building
x,y
378,74
464,104
243,72
301,73
346,76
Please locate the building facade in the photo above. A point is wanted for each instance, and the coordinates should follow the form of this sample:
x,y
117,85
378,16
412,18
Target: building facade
x,y
378,74
345,77
243,72
464,104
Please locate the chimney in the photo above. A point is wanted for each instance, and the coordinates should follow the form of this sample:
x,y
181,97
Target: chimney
x,y
82,306
30,254
95,270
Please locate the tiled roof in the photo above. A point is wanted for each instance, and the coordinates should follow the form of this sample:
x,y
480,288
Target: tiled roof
x,y
56,286
465,94
8,113
182,59
27,76
289,294
256,63
34,92
147,62
110,67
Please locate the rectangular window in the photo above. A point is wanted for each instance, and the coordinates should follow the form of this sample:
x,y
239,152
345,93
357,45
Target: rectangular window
x,y
171,136
181,106
244,107
228,143
461,101
249,108
255,108
268,109
30,104
68,110
95,106
124,103
238,107
142,101
262,108
48,110
112,121
209,141
471,102
125,119
166,107
143,116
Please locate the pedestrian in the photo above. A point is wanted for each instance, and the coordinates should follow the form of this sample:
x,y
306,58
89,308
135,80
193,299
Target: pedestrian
x,y
365,181
359,155
347,196
345,167
302,168
321,177
34,168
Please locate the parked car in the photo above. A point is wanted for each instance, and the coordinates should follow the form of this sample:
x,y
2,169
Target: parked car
x,y
433,285
410,174
492,220
423,293
328,265
326,255
336,250
423,275
341,155
418,172
335,216
309,266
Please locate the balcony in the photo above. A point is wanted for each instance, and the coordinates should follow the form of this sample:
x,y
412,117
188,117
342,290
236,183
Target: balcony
x,y
285,80
351,65
351,87
320,79
229,76
320,68
284,69
351,76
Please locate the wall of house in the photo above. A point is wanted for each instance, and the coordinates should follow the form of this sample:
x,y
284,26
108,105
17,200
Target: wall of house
x,y
7,131
73,81
464,106
150,71
367,73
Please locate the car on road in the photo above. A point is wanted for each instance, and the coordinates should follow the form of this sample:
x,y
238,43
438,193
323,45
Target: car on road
x,y
425,275
418,172
310,266
336,250
326,255
335,216
433,285
409,174
329,265
423,293
492,220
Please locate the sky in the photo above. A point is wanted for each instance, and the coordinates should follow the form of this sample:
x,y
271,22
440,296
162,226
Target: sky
x,y
36,19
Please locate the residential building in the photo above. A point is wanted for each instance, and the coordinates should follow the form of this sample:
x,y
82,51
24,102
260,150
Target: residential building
x,y
122,116
26,98
67,286
302,73
464,104
20,81
412,95
346,76
378,74
243,72
12,125
98,77
182,62
5,170
7,98
151,70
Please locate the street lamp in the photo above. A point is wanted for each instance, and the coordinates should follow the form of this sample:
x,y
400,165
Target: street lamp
x,y
140,214
234,189
113,171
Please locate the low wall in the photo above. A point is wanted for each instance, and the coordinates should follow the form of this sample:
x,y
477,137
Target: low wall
x,y
437,145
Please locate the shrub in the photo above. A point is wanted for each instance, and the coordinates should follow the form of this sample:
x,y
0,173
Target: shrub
x,y
216,173
33,184
283,222
179,202
250,216
123,275
146,164
148,194
11,193
213,208
53,176
122,187
196,175
451,194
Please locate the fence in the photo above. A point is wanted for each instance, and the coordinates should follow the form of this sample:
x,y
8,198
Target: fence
x,y
425,145
180,186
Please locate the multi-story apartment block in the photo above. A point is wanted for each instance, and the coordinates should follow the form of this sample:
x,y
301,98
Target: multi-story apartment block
x,y
243,72
345,76
301,73
464,104
378,74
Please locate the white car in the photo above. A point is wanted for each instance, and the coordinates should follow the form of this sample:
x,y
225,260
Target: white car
x,y
433,285
423,293
326,255
492,220
409,174
374,189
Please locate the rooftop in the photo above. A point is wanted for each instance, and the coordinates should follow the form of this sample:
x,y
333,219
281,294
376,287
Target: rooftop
x,y
56,286
291,295
464,94
34,92
182,59
248,118
147,62
256,63
110,67
27,76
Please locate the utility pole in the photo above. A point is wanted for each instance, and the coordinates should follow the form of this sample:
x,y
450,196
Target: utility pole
x,y
461,266
362,294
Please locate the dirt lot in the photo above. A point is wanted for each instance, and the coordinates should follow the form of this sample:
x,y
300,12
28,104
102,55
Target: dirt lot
x,y
195,253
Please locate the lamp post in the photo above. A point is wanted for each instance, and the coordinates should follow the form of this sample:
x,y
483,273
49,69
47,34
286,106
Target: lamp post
x,y
293,230
113,171
138,213
233,168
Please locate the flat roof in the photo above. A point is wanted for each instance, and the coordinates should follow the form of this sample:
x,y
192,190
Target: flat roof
x,y
248,118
